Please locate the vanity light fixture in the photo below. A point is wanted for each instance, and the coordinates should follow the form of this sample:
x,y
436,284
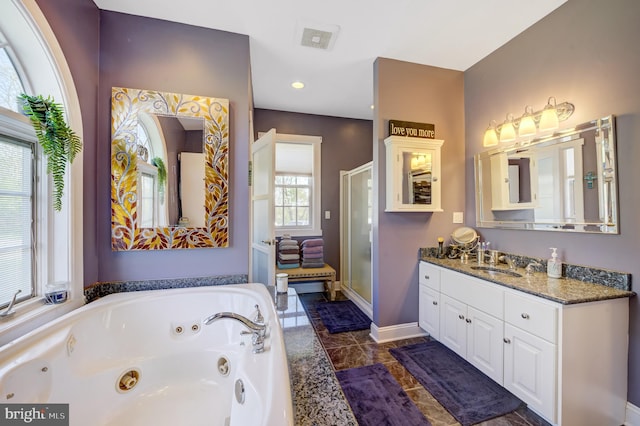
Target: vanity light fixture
x,y
530,124
297,85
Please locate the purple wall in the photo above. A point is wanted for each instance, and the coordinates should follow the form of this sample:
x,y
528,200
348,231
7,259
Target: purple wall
x,y
76,26
424,94
152,54
346,144
585,52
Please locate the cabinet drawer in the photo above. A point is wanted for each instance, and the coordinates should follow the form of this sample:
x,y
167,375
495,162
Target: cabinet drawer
x,y
429,275
482,295
531,315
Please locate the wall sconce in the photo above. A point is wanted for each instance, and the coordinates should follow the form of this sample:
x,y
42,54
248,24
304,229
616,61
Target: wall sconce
x,y
529,124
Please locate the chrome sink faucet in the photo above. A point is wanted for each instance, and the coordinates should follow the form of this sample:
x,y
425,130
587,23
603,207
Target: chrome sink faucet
x,y
531,267
257,328
509,261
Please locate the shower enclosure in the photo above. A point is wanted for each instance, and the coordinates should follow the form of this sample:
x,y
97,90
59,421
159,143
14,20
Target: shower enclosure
x,y
355,235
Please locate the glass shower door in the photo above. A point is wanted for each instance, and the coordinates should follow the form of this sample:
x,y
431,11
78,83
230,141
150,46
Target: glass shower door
x,y
356,235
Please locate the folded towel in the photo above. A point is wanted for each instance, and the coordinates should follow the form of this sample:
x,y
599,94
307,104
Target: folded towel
x,y
288,261
312,249
312,264
288,243
288,265
312,256
288,250
311,242
283,256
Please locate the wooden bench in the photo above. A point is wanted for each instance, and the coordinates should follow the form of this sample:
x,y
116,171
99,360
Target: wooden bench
x,y
326,274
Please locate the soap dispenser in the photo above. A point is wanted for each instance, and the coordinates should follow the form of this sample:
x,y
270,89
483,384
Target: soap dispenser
x,y
554,265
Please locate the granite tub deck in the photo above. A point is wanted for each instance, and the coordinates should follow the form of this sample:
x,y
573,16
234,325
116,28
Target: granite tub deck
x,y
317,396
100,289
566,290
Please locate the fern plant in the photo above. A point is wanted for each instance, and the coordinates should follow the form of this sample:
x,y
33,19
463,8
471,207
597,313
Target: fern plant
x,y
162,170
59,142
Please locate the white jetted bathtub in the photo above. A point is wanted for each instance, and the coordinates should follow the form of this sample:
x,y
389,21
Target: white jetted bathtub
x,y
149,358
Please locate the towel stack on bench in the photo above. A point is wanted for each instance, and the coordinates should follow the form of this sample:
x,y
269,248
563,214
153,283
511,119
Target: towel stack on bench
x,y
313,253
288,254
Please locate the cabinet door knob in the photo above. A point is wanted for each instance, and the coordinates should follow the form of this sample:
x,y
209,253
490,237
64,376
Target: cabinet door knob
x,y
506,340
426,277
461,316
468,321
435,179
434,302
524,315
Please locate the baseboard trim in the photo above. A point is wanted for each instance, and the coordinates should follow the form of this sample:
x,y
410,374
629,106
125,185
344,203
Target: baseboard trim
x,y
396,332
632,416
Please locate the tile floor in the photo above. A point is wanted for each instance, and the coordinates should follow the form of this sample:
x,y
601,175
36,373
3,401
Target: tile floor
x,y
356,349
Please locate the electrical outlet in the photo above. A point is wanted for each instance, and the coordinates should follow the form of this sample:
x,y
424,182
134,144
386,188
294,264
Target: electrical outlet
x,y
327,214
458,217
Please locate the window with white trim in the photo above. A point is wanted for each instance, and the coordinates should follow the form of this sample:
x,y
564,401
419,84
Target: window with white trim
x,y
38,246
297,185
17,195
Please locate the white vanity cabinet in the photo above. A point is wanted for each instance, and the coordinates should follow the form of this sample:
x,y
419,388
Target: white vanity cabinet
x,y
471,321
429,305
530,351
568,362
413,174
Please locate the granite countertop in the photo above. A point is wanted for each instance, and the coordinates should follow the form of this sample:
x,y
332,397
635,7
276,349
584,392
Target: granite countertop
x,y
316,393
562,290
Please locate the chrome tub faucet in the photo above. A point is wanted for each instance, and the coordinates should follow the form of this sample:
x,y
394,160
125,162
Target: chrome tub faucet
x,y
257,327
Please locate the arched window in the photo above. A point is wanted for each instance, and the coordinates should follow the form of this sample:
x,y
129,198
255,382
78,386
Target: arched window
x,y
17,193
10,82
38,246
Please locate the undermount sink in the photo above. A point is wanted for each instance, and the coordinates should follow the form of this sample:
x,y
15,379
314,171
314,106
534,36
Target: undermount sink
x,y
492,270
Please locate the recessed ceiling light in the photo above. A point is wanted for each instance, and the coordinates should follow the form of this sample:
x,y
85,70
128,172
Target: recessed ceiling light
x,y
297,85
373,106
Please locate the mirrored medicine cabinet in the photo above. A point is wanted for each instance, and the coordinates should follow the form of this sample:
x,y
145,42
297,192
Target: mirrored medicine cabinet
x,y
413,174
563,182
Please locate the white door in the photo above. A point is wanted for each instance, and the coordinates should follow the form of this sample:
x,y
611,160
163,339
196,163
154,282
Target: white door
x,y
530,370
453,328
429,311
484,343
262,268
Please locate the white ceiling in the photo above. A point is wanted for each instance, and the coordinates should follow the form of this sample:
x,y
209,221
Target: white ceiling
x,y
452,34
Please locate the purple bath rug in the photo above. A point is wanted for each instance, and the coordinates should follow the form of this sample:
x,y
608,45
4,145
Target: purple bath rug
x,y
468,394
342,316
377,399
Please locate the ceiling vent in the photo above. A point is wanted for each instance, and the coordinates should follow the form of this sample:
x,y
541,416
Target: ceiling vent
x,y
318,36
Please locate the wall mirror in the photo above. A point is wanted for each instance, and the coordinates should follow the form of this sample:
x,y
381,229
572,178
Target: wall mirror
x,y
563,182
169,170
